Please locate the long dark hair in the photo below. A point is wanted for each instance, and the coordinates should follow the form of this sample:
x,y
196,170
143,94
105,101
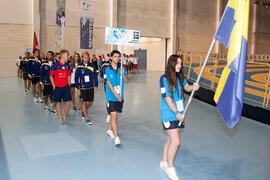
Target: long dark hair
x,y
73,60
171,74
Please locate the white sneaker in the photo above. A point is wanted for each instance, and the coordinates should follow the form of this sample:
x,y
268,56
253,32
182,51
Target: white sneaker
x,y
117,141
35,99
110,133
108,118
40,100
46,108
82,116
171,172
88,121
163,165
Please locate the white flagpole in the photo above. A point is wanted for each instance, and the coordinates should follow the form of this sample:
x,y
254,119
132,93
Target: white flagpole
x,y
121,49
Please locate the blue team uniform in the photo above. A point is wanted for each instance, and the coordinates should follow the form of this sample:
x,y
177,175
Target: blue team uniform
x,y
102,71
167,115
85,76
23,65
45,72
33,66
113,76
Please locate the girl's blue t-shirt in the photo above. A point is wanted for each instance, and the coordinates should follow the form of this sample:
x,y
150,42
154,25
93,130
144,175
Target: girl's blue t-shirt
x,y
165,111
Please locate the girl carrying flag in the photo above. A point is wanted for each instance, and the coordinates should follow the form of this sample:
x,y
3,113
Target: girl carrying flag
x,y
172,85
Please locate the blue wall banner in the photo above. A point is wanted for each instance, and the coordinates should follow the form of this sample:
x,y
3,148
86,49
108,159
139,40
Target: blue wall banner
x,y
86,24
60,24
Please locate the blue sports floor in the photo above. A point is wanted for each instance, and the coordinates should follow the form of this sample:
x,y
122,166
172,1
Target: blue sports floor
x,y
34,147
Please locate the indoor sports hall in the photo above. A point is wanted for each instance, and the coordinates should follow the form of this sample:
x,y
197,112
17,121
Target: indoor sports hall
x,y
134,90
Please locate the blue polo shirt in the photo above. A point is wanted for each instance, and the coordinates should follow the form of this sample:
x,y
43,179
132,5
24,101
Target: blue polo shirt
x,y
165,111
113,76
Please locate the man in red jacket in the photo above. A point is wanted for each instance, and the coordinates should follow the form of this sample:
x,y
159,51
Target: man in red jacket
x,y
60,79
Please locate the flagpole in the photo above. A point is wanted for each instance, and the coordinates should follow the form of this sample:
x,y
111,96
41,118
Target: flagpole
x,y
121,77
120,48
200,75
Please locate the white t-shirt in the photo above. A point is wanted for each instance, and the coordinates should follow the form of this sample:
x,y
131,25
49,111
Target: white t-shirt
x,y
135,60
124,60
18,62
72,77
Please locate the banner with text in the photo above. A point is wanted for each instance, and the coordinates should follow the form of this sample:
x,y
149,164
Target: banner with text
x,y
86,24
122,37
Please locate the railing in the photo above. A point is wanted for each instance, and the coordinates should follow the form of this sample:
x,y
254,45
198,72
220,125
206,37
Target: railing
x,y
193,63
265,58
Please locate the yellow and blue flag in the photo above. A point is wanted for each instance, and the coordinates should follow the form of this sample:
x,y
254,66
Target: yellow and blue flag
x,y
233,33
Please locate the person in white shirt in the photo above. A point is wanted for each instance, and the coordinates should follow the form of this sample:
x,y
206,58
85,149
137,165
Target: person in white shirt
x,y
127,63
123,59
75,61
131,58
135,62
19,71
131,63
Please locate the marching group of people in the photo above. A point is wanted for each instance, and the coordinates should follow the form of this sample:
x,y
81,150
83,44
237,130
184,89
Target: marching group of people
x,y
59,77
